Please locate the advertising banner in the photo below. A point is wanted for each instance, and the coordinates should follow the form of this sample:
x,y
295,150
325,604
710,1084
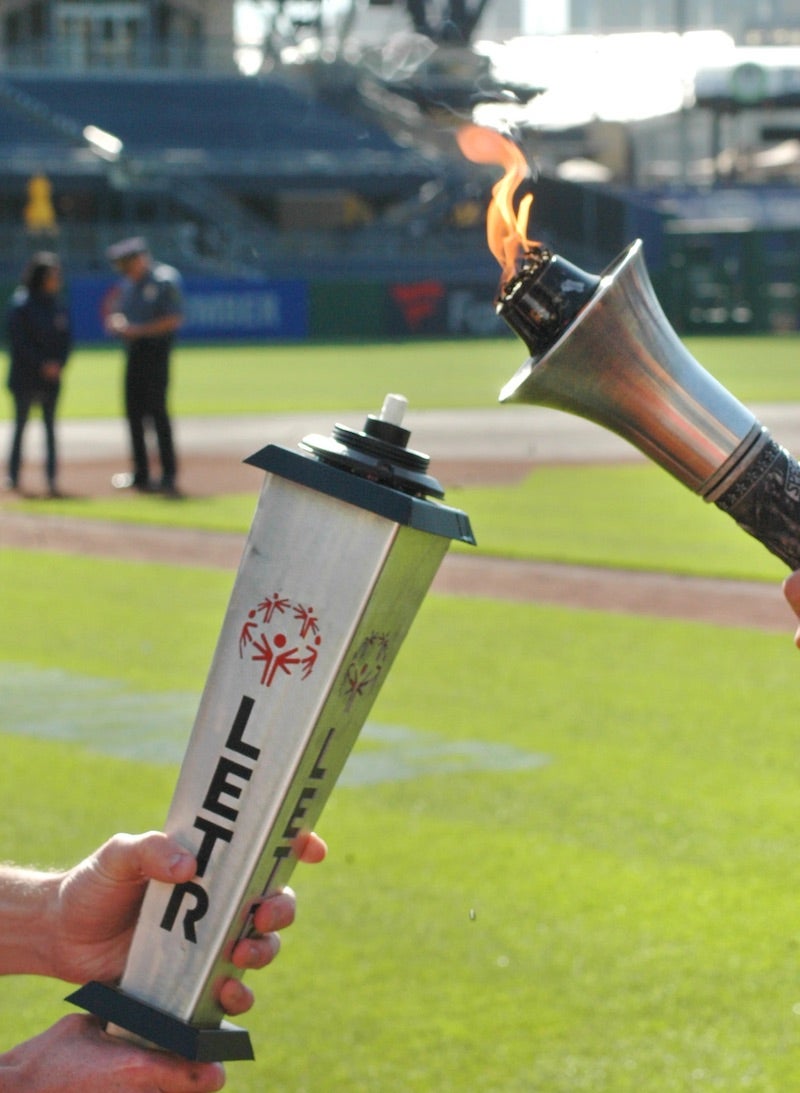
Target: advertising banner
x,y
223,309
235,309
434,308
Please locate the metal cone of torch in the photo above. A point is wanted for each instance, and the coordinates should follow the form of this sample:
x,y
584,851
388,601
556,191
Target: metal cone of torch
x,y
602,348
342,550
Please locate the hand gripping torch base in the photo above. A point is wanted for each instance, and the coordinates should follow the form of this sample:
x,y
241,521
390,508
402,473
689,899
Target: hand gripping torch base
x,y
602,348
343,547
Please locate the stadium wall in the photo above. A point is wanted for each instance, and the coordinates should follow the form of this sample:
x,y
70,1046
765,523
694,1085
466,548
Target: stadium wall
x,y
235,309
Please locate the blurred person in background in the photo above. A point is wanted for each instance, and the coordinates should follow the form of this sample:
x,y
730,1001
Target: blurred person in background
x,y
146,314
39,341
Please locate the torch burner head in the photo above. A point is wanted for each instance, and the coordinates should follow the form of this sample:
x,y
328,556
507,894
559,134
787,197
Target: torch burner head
x,y
378,452
543,298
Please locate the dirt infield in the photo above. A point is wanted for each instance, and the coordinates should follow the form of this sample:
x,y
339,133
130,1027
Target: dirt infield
x,y
725,603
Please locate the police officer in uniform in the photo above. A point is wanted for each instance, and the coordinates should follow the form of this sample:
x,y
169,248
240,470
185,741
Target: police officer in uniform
x,y
146,315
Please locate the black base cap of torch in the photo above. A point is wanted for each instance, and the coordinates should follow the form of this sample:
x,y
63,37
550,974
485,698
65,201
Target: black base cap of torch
x,y
202,1045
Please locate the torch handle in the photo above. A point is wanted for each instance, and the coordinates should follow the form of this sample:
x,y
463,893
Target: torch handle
x,y
765,502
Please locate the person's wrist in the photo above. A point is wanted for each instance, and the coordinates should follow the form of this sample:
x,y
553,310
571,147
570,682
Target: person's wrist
x,y
29,911
44,924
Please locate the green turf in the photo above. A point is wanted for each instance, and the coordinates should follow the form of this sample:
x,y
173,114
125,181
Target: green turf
x,y
762,368
627,517
622,919
262,379
150,626
223,512
451,374
630,517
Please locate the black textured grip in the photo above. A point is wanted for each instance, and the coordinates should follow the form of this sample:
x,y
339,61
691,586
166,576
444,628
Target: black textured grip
x,y
765,502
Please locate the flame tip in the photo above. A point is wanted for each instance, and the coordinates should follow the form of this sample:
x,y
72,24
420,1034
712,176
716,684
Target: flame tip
x,y
506,226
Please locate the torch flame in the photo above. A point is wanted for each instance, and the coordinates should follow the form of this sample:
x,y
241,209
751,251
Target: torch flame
x,y
506,228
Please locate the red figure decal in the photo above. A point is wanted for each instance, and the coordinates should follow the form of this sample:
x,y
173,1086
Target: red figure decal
x,y
309,623
281,636
273,603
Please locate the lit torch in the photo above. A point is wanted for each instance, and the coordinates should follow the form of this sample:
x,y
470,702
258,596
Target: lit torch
x,y
602,348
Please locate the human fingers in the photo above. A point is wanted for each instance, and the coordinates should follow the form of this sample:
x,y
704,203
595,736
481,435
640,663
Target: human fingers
x,y
249,954
76,1056
310,848
791,590
136,1068
235,997
260,948
151,856
275,912
179,1076
156,856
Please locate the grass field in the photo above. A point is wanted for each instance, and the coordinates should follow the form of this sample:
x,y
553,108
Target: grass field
x,y
256,379
564,854
630,517
590,884
627,517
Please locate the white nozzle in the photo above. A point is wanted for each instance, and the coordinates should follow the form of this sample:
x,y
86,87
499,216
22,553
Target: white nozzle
x,y
393,409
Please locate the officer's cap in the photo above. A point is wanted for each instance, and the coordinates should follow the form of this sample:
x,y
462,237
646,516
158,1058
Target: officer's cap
x,y
126,248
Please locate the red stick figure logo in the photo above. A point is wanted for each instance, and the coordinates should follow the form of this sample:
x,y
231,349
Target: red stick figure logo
x,y
282,637
364,670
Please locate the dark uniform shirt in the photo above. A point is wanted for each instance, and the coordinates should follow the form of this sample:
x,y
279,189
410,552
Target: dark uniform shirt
x,y
38,331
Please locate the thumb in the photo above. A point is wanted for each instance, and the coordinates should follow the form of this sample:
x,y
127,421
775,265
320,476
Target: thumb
x,y
131,859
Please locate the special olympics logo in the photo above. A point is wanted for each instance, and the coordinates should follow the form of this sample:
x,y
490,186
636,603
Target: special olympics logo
x,y
364,670
282,636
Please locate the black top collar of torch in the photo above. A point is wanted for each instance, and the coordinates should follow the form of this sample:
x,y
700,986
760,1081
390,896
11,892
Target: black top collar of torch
x,y
379,453
541,301
343,482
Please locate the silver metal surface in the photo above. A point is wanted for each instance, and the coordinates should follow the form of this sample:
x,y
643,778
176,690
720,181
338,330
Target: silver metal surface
x,y
621,365
322,601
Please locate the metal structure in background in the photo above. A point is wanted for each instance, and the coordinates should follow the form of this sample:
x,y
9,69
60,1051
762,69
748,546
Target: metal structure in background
x,y
332,216
83,36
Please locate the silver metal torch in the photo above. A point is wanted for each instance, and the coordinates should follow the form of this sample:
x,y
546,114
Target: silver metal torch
x,y
343,547
602,348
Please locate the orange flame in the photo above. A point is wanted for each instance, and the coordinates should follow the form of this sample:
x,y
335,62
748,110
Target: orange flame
x,y
506,230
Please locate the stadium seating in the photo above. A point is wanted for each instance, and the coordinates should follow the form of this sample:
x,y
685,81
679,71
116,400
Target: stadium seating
x,y
216,114
224,152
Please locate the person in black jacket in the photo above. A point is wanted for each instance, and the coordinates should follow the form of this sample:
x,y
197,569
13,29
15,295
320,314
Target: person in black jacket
x,y
39,338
